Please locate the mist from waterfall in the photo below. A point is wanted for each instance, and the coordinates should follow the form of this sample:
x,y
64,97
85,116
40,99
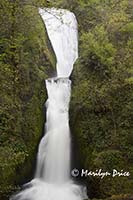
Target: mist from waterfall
x,y
52,179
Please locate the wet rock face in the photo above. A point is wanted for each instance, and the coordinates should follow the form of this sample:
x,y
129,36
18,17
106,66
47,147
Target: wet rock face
x,y
27,58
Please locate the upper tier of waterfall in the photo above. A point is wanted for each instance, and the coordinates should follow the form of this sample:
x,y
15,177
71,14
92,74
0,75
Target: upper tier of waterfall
x,y
61,26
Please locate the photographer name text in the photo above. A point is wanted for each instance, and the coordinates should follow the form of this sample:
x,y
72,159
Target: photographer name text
x,y
100,173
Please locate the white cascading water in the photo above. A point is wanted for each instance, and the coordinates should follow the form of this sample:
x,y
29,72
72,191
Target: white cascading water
x,y
54,150
53,177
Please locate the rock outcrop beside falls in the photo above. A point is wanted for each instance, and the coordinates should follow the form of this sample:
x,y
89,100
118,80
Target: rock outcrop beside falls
x,y
26,60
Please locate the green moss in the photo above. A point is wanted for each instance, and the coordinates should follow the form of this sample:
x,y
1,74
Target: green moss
x,y
26,60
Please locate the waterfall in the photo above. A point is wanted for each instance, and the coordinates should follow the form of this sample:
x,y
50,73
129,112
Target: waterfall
x,y
52,180
62,31
54,150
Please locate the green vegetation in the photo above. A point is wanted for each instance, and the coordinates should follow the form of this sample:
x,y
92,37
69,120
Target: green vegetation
x,y
26,58
101,105
101,101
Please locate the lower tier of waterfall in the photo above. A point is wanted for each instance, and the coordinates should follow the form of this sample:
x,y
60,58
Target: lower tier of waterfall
x,y
53,177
